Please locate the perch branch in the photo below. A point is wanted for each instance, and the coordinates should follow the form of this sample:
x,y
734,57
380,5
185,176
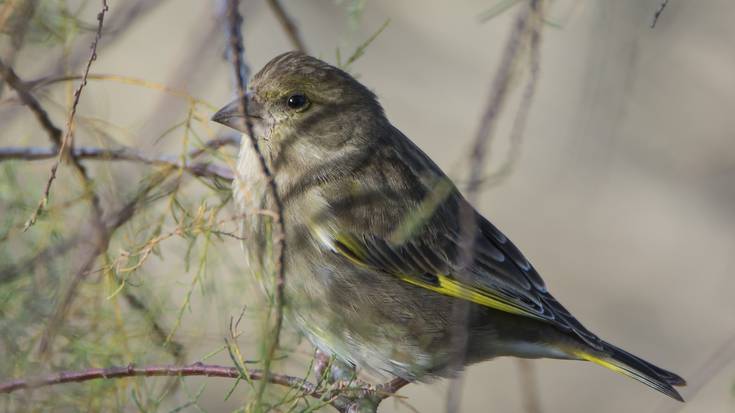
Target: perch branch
x,y
196,369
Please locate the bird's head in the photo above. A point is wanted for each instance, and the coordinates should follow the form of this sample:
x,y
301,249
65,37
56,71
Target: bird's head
x,y
302,105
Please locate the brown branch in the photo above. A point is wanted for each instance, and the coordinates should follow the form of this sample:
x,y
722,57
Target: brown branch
x,y
526,19
658,12
236,49
292,31
196,369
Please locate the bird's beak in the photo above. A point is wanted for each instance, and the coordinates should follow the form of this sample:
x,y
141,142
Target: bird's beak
x,y
231,115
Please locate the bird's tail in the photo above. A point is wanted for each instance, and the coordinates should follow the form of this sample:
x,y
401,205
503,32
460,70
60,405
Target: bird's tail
x,y
620,361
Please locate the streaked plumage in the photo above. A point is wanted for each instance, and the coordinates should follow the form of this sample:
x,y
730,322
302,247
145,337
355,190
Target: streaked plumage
x,y
373,231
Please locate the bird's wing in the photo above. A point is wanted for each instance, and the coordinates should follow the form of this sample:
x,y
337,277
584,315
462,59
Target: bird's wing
x,y
498,275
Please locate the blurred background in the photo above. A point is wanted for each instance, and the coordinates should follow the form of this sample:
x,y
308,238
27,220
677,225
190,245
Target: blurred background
x,y
621,190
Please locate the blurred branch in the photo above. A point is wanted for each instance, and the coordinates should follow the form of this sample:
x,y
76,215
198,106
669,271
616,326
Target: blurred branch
x,y
110,225
12,272
174,347
21,88
62,142
521,119
236,47
45,81
712,367
360,49
529,386
529,17
200,169
126,14
292,31
658,12
22,13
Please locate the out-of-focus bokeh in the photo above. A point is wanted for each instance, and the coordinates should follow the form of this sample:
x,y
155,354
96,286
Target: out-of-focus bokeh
x,y
623,193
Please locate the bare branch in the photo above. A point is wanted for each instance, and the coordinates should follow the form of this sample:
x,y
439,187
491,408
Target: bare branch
x,y
236,48
196,369
658,12
292,31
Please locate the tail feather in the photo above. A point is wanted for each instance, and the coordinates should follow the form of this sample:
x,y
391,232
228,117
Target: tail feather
x,y
620,361
670,377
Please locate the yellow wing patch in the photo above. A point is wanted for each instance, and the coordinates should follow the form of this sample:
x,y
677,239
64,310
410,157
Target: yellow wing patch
x,y
351,249
453,288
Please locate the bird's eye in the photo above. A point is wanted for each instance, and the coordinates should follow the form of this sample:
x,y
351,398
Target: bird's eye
x,y
297,101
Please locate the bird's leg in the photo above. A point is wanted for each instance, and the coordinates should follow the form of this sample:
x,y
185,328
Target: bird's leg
x,y
332,370
321,362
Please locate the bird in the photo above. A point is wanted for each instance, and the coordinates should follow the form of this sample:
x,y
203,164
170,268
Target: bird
x,y
381,245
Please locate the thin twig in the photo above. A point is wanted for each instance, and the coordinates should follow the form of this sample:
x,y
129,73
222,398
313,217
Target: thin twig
x,y
196,369
66,141
236,48
292,31
496,100
658,12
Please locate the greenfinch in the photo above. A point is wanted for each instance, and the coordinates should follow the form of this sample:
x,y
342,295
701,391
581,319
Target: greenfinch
x,y
374,261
